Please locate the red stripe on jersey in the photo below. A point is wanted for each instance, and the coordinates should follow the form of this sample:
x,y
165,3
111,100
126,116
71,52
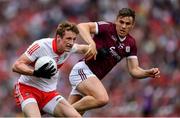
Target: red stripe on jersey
x,y
33,49
30,49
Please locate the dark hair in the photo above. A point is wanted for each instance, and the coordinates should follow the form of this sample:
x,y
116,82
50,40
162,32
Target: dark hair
x,y
66,26
126,12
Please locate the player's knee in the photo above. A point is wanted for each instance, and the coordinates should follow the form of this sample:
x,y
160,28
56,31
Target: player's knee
x,y
102,101
76,115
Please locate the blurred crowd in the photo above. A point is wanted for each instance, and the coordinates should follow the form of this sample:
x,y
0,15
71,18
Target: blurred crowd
x,y
157,32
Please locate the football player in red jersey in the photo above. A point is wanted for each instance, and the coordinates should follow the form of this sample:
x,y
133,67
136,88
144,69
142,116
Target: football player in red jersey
x,y
35,91
109,45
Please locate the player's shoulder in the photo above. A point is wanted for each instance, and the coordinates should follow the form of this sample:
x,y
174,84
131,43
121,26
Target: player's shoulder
x,y
104,23
131,39
106,26
44,41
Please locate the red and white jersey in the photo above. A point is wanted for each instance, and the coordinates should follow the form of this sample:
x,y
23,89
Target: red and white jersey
x,y
44,47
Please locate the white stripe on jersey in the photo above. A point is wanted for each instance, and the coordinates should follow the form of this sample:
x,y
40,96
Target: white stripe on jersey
x,y
131,57
97,31
99,23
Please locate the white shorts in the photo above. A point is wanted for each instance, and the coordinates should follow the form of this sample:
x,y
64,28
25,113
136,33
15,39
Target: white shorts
x,y
79,73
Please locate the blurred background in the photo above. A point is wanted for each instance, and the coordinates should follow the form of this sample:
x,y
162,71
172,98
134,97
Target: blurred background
x,y
157,33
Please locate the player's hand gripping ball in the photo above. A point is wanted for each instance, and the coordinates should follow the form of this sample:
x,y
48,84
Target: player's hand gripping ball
x,y
45,67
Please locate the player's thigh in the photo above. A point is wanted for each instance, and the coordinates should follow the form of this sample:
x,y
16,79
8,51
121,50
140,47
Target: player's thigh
x,y
74,98
31,109
92,86
63,108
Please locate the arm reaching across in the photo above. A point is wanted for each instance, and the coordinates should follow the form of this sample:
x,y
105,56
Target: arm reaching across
x,y
85,30
81,48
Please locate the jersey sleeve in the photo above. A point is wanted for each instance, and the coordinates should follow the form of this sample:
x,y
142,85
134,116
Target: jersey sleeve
x,y
132,50
34,51
102,27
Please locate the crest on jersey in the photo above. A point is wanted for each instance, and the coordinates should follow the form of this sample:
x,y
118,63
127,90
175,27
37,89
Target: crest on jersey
x,y
127,48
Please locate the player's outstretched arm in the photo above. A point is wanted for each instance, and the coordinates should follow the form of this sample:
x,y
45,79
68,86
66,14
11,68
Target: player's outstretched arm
x,y
138,72
82,49
85,30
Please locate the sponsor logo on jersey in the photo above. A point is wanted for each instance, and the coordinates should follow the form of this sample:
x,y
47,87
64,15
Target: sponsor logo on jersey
x,y
59,98
114,53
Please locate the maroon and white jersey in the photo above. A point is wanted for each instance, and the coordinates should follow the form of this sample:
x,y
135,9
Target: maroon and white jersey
x,y
111,49
44,47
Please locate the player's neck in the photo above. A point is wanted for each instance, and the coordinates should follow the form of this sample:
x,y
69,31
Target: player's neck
x,y
60,51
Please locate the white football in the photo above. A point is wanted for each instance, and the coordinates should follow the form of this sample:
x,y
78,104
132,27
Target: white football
x,y
43,60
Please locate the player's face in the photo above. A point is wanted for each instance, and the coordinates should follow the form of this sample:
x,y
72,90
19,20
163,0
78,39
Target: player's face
x,y
67,41
124,25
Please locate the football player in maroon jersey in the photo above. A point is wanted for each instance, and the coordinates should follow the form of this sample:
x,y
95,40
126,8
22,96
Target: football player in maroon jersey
x,y
109,45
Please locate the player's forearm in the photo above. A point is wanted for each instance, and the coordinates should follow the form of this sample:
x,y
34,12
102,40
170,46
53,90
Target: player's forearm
x,y
22,69
82,48
85,31
139,73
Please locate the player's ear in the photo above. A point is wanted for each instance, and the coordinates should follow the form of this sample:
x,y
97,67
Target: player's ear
x,y
58,37
133,24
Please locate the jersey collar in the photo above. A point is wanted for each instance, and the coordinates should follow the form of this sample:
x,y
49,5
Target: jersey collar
x,y
54,46
121,39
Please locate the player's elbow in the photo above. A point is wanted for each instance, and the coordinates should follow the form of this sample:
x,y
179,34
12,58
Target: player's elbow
x,y
81,25
15,66
137,75
134,74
